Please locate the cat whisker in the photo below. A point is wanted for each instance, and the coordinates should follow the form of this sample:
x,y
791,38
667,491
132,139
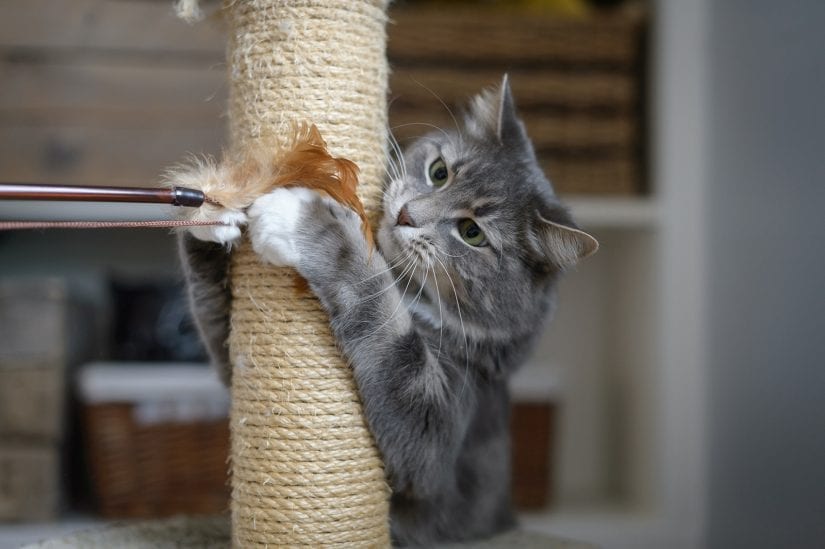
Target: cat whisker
x,y
461,323
390,173
409,269
400,301
417,297
440,315
396,169
396,263
442,252
427,125
392,284
413,137
443,104
391,170
398,155
410,266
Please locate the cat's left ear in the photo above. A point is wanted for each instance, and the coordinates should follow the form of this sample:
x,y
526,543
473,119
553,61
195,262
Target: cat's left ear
x,y
563,245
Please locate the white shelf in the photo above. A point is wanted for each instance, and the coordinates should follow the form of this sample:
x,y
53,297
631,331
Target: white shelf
x,y
536,382
606,527
629,330
629,212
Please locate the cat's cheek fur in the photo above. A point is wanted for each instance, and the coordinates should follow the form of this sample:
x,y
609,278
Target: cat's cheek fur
x,y
275,222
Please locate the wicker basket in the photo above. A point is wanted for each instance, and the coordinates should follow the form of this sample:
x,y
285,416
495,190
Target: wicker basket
x,y
532,428
157,440
577,82
537,397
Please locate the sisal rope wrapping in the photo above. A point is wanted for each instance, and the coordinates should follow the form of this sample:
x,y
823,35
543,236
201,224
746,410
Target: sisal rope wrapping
x,y
305,470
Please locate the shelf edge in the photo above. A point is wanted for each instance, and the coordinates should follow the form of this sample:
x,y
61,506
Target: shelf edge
x,y
600,212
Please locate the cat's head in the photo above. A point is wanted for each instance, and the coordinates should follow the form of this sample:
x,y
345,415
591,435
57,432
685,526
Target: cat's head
x,y
472,217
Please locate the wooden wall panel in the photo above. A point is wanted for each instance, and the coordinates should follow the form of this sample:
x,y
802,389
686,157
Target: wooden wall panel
x,y
114,91
97,156
137,26
106,92
577,83
46,89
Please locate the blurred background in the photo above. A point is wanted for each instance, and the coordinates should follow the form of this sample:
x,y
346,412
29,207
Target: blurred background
x,y
676,400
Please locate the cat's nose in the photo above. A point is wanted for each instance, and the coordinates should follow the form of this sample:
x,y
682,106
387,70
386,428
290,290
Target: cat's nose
x,y
404,219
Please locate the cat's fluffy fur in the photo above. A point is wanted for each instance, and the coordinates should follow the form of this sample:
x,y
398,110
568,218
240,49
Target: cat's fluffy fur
x,y
432,325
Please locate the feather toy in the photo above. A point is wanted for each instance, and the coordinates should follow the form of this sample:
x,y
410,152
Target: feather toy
x,y
304,161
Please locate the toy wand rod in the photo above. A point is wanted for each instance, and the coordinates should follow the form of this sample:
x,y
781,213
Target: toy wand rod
x,y
176,196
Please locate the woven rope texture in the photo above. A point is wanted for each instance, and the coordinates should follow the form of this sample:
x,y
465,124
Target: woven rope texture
x,y
305,470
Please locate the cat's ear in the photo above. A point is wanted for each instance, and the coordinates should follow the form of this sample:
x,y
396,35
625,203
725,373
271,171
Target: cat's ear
x,y
509,127
562,245
493,114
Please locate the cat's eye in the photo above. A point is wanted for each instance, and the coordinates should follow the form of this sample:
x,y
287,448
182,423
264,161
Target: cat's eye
x,y
438,173
471,233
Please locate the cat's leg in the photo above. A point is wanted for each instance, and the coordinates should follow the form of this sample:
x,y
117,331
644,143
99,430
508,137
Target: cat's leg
x,y
205,261
412,401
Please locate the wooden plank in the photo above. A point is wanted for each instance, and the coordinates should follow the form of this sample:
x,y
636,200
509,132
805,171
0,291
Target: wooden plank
x,y
111,95
583,131
416,85
478,35
611,176
546,131
468,33
107,24
95,156
138,156
200,117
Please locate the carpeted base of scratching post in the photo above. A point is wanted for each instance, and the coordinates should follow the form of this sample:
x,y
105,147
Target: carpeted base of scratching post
x,y
214,533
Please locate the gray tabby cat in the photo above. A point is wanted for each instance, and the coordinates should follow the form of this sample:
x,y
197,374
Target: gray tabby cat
x,y
472,243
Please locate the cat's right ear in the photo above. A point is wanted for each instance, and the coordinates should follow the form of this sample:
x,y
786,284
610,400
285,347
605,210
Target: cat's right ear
x,y
492,115
562,245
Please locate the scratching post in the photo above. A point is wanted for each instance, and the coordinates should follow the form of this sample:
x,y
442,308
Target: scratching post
x,y
305,470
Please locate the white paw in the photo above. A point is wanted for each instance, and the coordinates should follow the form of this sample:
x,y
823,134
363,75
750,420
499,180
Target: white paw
x,y
274,223
227,233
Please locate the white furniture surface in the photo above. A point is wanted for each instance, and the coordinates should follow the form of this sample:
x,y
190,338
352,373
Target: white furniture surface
x,y
628,341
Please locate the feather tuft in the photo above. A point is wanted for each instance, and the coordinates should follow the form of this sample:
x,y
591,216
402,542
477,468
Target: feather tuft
x,y
309,164
304,161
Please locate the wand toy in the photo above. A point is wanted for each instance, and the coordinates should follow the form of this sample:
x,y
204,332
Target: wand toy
x,y
232,185
173,196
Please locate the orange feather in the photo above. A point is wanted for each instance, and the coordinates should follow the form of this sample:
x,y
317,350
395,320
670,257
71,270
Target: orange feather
x,y
265,165
309,164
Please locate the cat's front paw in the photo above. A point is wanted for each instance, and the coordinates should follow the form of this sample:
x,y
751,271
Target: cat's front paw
x,y
274,222
227,232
